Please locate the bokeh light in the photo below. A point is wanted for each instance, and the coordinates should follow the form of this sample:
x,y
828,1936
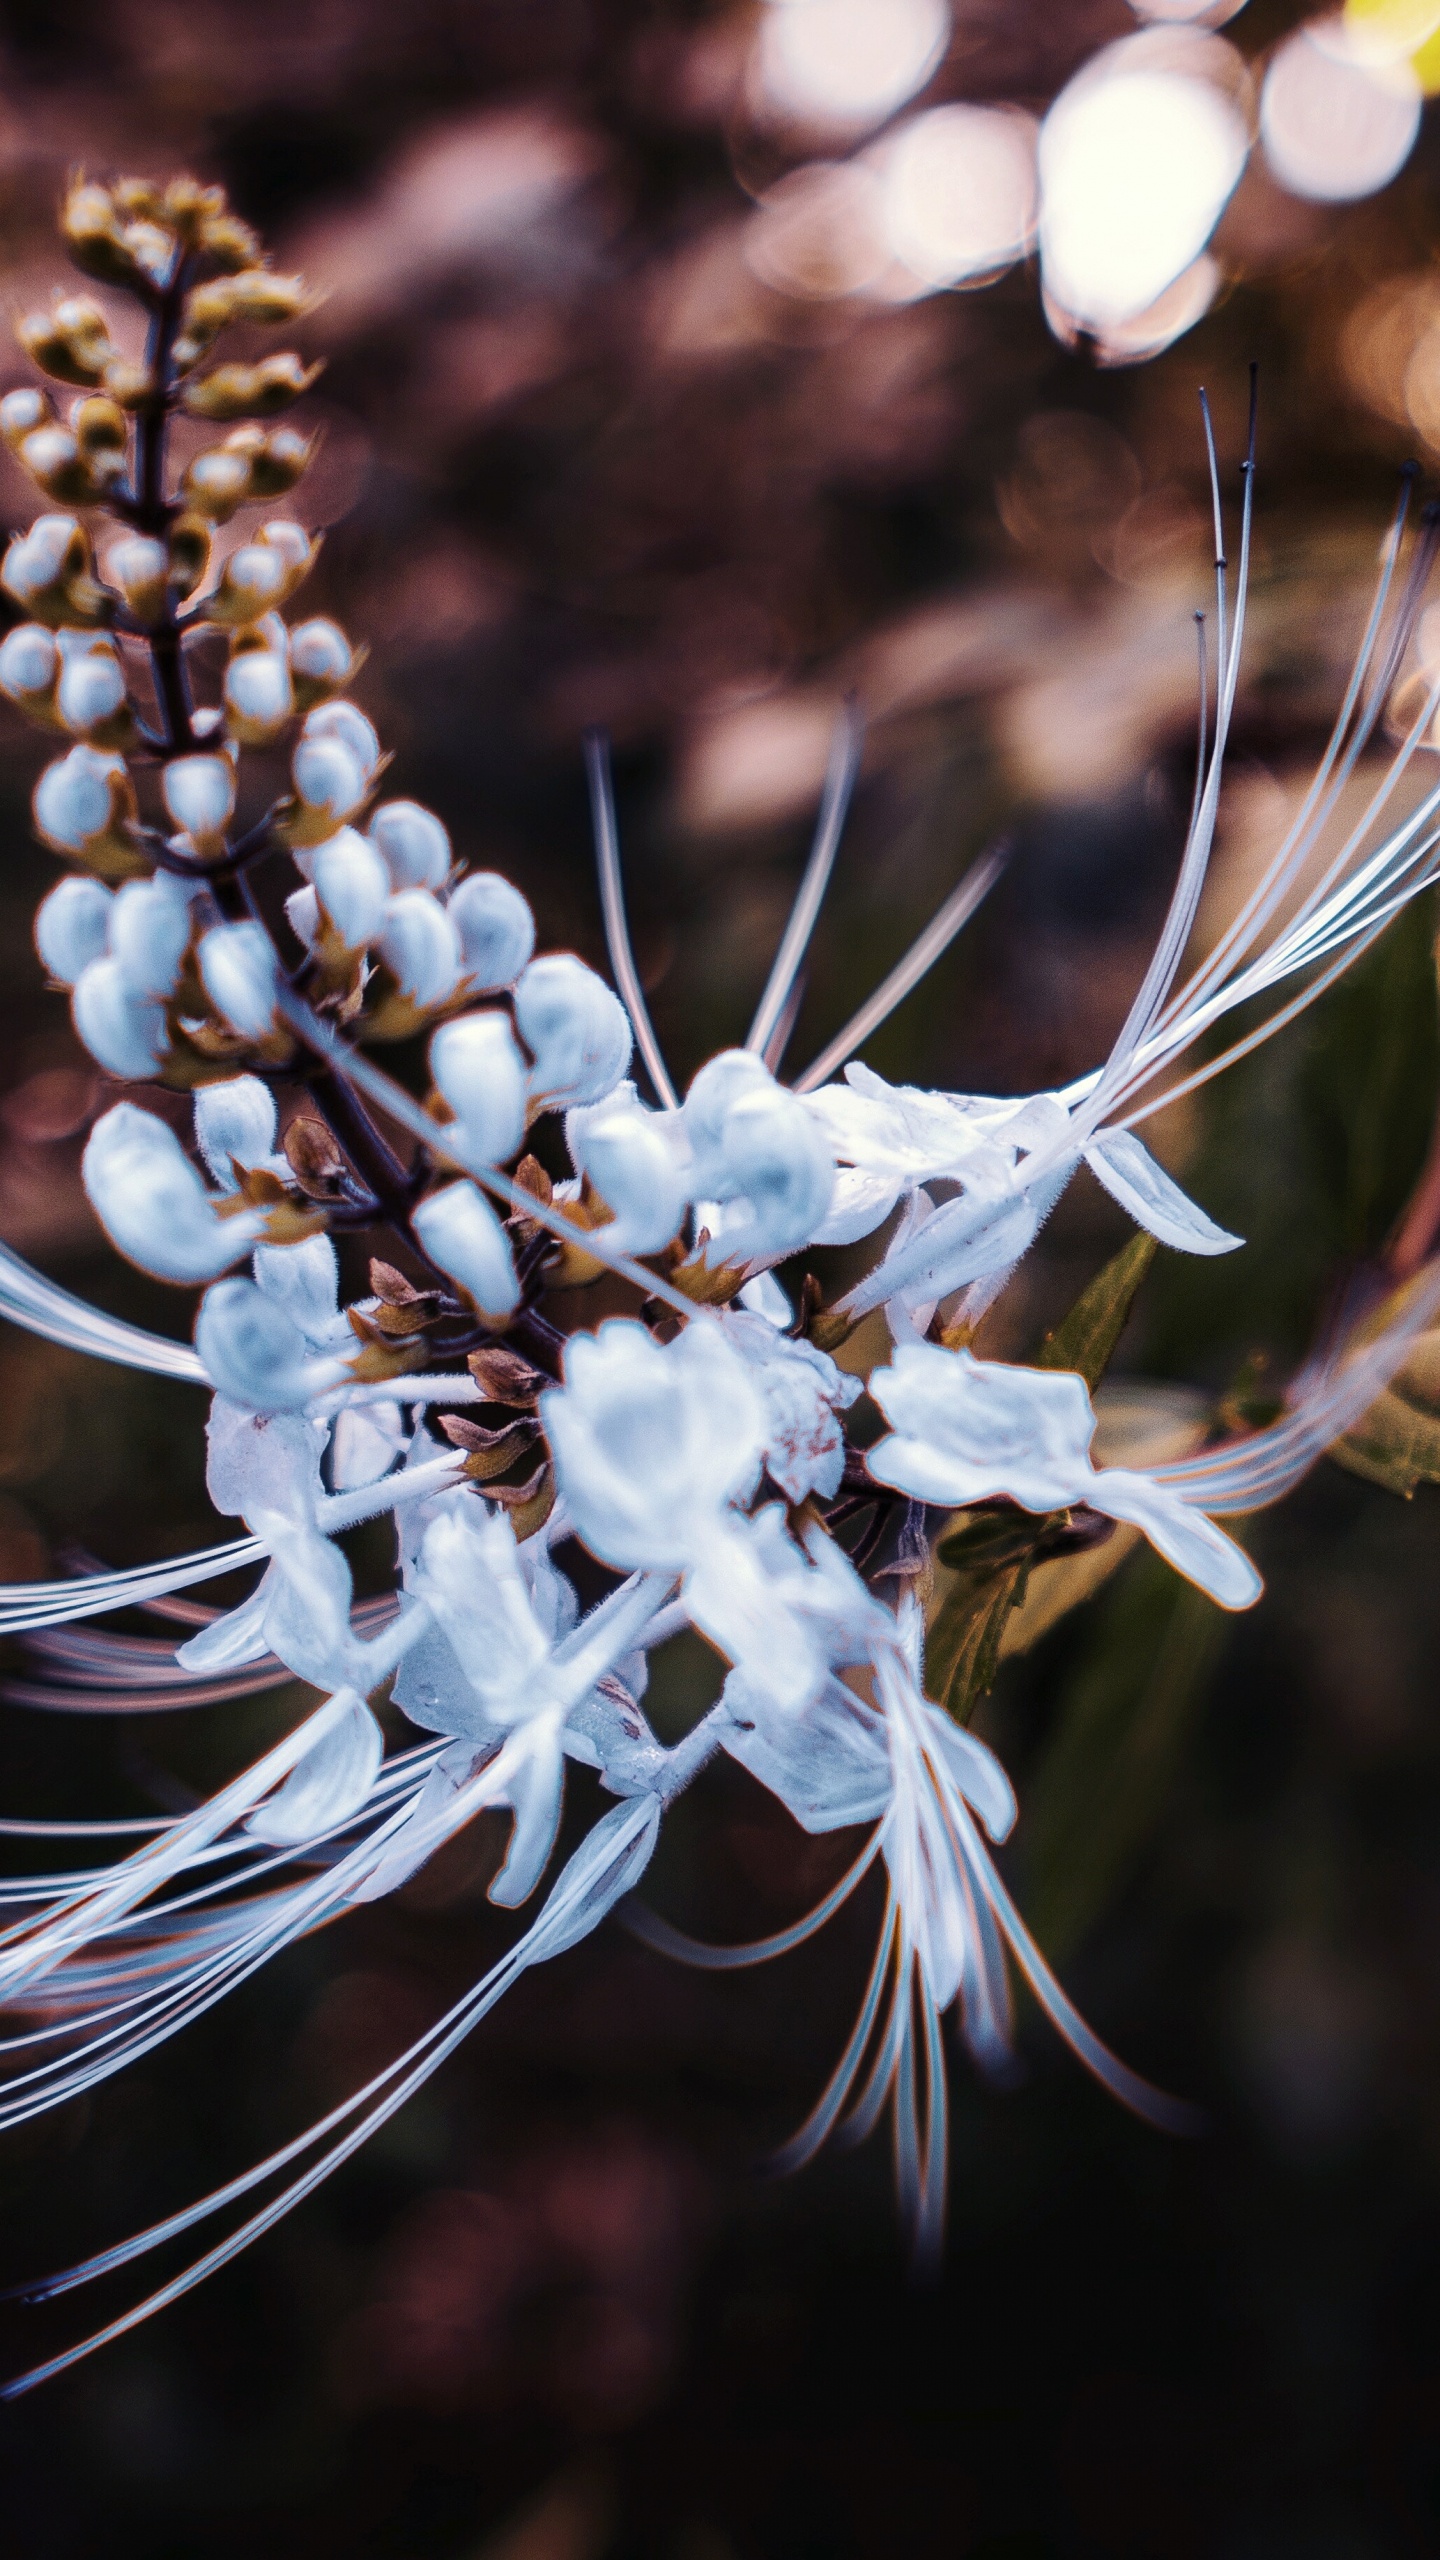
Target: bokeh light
x,y
1138,157
820,232
960,192
1337,121
847,64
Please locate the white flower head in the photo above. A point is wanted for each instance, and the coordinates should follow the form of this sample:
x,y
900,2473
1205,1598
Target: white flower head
x,y
652,1442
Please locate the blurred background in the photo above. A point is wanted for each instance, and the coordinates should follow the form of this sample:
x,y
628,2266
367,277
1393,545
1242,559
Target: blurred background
x,y
691,364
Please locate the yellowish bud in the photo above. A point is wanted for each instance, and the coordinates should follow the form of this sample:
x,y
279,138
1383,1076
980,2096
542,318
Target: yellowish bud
x,y
251,390
70,341
54,459
99,426
216,483
188,207
230,242
277,459
140,568
21,412
189,549
256,294
128,383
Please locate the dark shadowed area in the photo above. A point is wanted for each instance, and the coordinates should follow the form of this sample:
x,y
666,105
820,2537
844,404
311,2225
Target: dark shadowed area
x,y
628,420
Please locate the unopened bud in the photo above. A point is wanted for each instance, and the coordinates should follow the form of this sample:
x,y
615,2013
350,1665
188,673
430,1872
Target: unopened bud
x,y
48,571
258,696
188,545
576,1029
138,199
460,1231
72,927
252,390
420,948
188,206
54,460
622,1150
322,662
99,426
153,1203
479,1071
496,929
110,248
200,797
302,909
21,412
85,805
334,766
91,699
229,241
216,483
150,924
69,341
414,844
124,1032
29,670
352,885
262,574
240,975
128,382
277,456
235,1123
256,294
140,568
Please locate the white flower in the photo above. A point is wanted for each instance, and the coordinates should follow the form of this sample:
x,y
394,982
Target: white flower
x,y
496,929
320,652
72,927
80,801
576,1031
460,1231
419,945
652,1442
241,976
966,1429
39,564
334,763
92,681
258,695
804,1392
152,1202
413,845
479,1071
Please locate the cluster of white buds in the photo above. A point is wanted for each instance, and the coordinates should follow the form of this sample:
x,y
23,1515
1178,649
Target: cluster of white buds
x,y
698,1447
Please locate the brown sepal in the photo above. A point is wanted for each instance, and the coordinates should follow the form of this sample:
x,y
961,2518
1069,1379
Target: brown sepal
x,y
376,1362
531,1176
489,1453
504,1378
314,1158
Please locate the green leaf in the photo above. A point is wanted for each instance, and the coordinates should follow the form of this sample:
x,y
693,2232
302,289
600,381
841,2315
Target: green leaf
x,y
1396,1445
1107,1774
962,1646
1086,1338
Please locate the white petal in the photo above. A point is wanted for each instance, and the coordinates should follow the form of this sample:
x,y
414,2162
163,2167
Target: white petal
x,y
235,1118
332,1781
459,1230
1132,1176
1183,1534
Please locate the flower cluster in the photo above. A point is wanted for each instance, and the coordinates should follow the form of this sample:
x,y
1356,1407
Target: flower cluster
x,y
709,1449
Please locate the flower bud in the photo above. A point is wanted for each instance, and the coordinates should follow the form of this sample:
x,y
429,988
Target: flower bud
x,y
413,843
29,669
352,885
256,294
277,456
187,206
21,412
302,907
321,663
255,1354
216,483
128,383
229,241
110,249
251,390
200,797
334,767
496,929
259,577
152,1202
70,341
150,933
189,548
460,1231
240,975
124,1032
576,1030
91,699
100,428
419,946
72,927
479,1071
47,570
258,696
754,1142
56,464
235,1123
623,1152
85,804
140,569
